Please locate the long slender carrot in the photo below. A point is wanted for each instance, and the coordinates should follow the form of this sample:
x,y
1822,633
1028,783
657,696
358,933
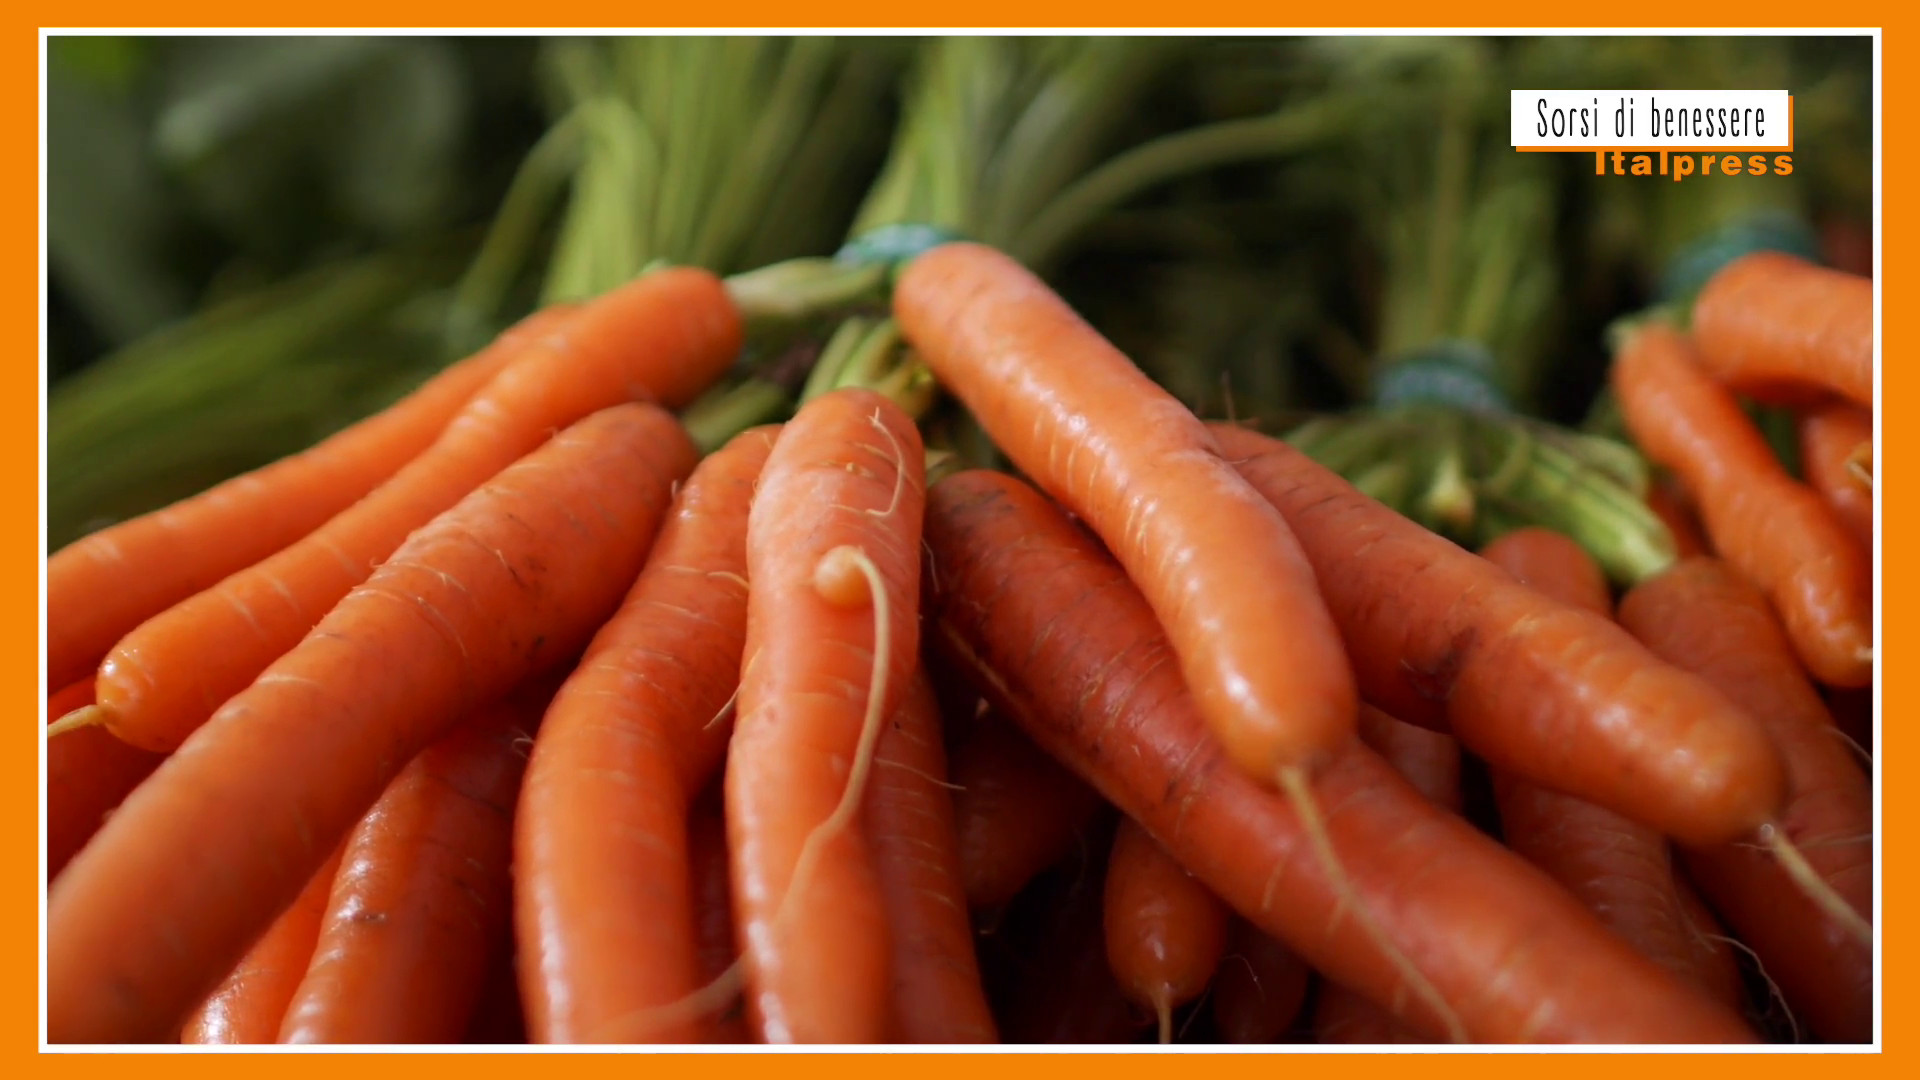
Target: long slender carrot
x,y
1623,871
102,586
1778,327
1830,434
603,910
1260,988
1055,635
88,774
937,994
833,551
224,834
424,890
661,338
1444,639
247,1007
1219,566
1016,811
1772,528
1702,616
1165,931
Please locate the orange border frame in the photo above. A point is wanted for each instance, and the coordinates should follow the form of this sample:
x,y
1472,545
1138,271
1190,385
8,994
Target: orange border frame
x,y
20,665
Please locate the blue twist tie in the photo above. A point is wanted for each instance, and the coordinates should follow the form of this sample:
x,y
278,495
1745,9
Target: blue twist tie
x,y
1690,270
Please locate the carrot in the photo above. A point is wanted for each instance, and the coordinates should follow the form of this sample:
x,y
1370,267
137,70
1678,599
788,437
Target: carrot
x,y
1775,531
1621,870
713,905
1260,987
1829,436
402,955
1165,931
1016,811
1780,328
225,833
833,551
1342,1017
88,774
247,1007
1677,513
1219,566
1703,617
1444,639
1054,634
661,338
104,585
603,908
937,994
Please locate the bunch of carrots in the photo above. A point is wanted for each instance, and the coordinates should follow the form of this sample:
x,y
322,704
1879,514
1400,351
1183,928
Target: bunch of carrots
x,y
506,715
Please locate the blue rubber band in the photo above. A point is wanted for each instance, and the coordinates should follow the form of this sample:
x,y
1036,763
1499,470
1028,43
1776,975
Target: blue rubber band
x,y
1688,271
894,244
1456,373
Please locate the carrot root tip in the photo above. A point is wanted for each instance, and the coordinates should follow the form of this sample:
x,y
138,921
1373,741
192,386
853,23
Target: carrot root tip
x,y
83,717
1816,890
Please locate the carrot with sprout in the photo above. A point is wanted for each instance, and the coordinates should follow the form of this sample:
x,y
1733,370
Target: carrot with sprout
x,y
423,891
1016,811
1623,871
102,586
1806,915
1165,931
603,906
88,774
1775,530
1052,630
661,338
1780,328
1444,639
937,994
196,864
247,1007
1259,989
833,551
1830,435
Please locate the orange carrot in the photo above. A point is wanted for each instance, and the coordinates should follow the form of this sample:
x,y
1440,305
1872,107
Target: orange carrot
x,y
1702,616
1621,870
662,338
833,551
1165,931
1775,531
1780,328
104,585
1016,811
1444,639
603,907
1219,566
1342,1017
203,855
1829,436
1052,631
88,774
937,994
713,906
1261,985
247,1007
402,954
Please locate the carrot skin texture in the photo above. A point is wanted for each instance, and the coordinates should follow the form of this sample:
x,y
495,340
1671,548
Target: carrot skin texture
x,y
1260,988
1783,329
937,994
510,581
1704,617
1621,870
102,586
847,471
1219,566
89,772
247,1007
1016,811
1829,434
661,338
422,893
637,730
1775,530
1443,639
1165,931
1519,959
